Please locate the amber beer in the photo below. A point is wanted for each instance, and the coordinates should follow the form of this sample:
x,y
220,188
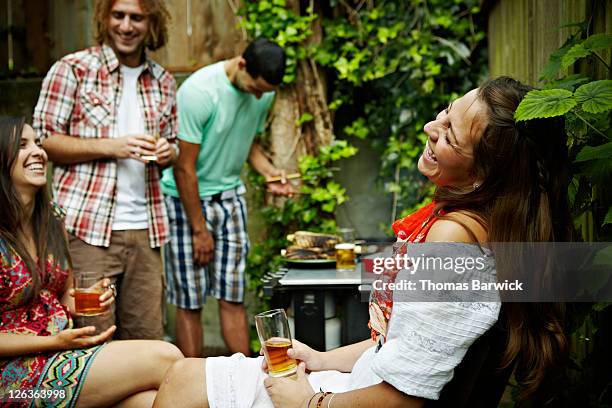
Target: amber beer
x,y
275,337
279,364
345,256
87,302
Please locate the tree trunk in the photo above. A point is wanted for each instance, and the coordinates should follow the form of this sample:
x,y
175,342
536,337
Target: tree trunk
x,y
288,141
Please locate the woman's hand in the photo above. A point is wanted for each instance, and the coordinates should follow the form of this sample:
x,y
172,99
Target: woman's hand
x,y
107,298
299,351
80,338
290,392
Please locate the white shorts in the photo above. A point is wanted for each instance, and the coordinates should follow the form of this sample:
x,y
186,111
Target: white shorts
x,y
237,382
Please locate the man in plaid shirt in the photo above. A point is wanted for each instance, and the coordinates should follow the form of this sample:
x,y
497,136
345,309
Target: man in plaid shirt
x,y
107,119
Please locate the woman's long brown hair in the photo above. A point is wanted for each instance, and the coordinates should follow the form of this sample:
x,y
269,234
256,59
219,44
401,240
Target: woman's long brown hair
x,y
522,197
49,235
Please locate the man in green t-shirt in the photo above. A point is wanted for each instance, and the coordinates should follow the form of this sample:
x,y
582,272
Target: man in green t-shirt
x,y
221,109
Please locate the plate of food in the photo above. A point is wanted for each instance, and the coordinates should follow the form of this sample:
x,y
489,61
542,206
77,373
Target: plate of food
x,y
310,249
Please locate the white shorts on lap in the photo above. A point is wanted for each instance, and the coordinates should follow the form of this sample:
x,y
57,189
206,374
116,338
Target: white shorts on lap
x,y
237,382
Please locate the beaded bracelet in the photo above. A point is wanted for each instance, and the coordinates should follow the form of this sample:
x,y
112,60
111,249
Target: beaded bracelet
x,y
321,398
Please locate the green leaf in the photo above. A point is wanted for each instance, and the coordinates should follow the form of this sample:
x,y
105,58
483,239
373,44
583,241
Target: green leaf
x,y
572,190
598,307
554,62
544,104
608,218
335,104
574,54
263,6
598,42
458,47
329,206
309,214
342,65
255,345
581,25
321,194
305,118
595,153
358,129
443,20
383,35
570,82
598,171
596,96
428,85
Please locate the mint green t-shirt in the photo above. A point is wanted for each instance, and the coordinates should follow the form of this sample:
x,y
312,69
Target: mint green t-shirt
x,y
224,121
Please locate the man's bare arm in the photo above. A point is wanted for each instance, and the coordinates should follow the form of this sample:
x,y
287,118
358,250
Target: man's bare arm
x,y
187,186
263,166
64,149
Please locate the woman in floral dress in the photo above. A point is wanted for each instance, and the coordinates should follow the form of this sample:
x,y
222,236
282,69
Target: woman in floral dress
x,y
43,360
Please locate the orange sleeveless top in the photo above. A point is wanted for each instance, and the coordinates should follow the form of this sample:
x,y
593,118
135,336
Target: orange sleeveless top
x,y
413,228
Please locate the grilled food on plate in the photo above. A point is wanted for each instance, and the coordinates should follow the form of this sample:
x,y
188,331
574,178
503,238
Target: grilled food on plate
x,y
311,245
306,239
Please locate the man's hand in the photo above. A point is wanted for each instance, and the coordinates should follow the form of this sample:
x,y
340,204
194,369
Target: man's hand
x,y
280,187
164,152
203,247
133,147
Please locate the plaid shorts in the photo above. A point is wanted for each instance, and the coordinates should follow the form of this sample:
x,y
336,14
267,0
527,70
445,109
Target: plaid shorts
x,y
223,277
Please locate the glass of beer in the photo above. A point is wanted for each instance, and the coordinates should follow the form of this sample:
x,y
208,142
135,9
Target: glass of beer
x,y
345,250
151,156
87,291
275,337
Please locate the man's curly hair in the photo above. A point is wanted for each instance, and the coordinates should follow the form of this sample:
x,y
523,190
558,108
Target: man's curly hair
x,y
156,11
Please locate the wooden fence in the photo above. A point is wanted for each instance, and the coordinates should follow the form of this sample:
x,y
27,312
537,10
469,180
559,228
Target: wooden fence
x,y
523,33
35,33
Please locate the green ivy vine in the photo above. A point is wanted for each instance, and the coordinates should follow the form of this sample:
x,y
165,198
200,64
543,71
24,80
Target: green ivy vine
x,y
392,66
273,20
396,65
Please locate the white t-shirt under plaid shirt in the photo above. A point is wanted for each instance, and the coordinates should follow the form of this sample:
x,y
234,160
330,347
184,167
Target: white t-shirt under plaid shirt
x,y
131,207
79,98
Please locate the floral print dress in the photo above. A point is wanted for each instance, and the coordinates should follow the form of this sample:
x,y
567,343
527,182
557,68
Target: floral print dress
x,y
48,378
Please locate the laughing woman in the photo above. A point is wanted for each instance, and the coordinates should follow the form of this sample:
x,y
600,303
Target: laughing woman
x,y
43,360
492,185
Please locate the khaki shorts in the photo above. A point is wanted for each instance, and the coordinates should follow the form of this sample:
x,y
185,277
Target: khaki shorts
x,y
136,270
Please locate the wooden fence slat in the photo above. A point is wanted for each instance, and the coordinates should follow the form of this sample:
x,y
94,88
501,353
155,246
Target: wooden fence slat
x,y
523,33
212,38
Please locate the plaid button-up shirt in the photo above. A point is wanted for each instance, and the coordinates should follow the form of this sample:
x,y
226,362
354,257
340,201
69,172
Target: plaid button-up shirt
x,y
80,97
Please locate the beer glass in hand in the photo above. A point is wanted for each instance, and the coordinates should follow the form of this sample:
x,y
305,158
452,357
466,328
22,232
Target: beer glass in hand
x,y
275,338
151,157
87,291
